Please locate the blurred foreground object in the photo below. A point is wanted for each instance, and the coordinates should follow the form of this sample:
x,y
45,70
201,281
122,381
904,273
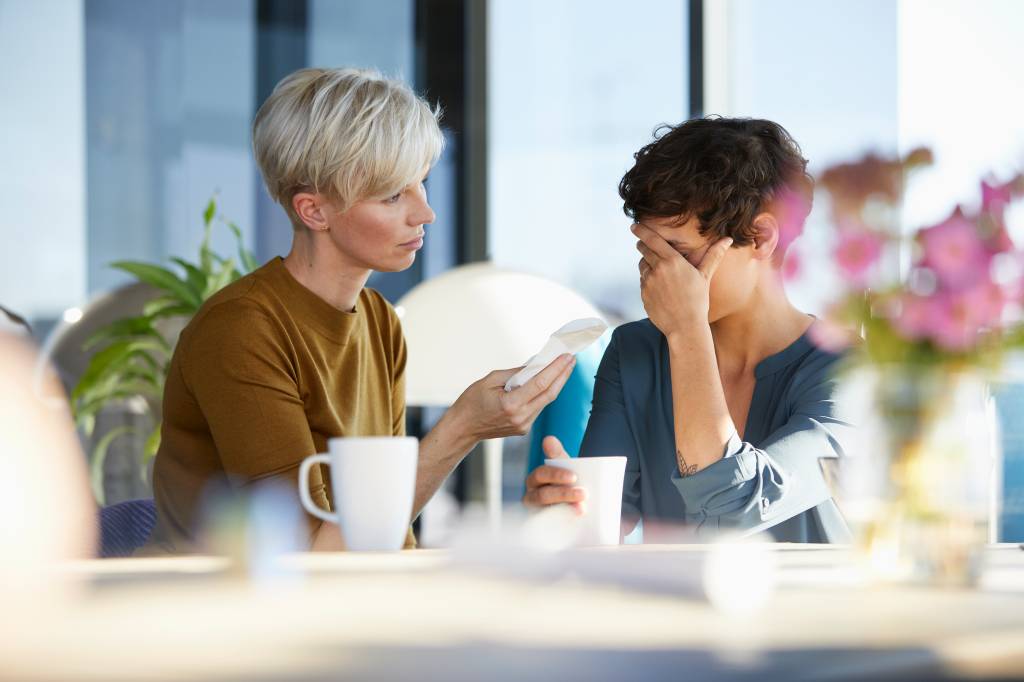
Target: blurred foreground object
x,y
46,513
507,612
937,309
13,323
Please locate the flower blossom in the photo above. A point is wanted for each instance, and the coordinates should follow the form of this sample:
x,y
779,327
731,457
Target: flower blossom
x,y
859,248
956,252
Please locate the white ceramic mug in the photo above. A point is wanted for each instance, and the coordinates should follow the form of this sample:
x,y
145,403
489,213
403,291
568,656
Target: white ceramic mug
x,y
601,477
373,481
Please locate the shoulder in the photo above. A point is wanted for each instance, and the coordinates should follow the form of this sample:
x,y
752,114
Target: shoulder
x,y
818,364
816,375
637,336
237,303
379,311
384,326
637,346
375,301
235,313
635,356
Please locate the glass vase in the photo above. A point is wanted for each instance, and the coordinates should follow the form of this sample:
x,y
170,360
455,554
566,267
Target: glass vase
x,y
918,482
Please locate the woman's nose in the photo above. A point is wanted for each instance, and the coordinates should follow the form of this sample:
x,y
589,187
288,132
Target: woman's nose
x,y
422,214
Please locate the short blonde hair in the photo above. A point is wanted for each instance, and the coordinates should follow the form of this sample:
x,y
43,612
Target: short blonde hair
x,y
349,134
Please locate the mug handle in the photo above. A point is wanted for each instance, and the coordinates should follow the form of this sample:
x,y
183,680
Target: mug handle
x,y
307,499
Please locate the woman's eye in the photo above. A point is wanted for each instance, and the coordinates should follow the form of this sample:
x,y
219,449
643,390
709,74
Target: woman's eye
x,y
393,198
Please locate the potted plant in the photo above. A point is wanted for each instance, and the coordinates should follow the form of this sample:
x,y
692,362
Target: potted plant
x,y
131,355
925,317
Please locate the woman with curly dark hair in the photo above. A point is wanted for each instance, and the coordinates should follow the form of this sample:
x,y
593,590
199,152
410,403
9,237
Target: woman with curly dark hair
x,y
720,401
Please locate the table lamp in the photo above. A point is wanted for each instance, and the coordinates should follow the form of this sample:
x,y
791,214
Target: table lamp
x,y
474,319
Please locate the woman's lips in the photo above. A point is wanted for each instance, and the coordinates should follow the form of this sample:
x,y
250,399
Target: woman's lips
x,y
414,245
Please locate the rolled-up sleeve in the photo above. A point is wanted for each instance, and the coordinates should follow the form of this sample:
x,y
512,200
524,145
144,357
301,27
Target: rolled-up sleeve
x,y
754,488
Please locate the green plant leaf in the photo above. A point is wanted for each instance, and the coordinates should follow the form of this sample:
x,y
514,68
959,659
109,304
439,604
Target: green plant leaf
x,y
99,456
112,359
117,388
224,276
127,328
152,445
196,277
99,365
245,256
87,424
205,254
176,310
211,209
85,415
161,278
155,307
249,262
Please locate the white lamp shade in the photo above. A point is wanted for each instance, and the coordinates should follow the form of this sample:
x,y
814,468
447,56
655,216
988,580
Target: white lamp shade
x,y
477,318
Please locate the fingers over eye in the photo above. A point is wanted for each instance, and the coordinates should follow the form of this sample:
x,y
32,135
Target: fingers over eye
x,y
714,256
653,241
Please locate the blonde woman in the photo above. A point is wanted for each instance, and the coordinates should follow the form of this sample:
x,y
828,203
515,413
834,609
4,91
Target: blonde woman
x,y
300,351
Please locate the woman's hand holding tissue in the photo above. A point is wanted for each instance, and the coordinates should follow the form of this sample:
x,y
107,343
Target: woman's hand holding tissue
x,y
488,411
548,485
485,410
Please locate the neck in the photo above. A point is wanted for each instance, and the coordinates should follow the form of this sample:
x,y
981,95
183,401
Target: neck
x,y
768,324
317,265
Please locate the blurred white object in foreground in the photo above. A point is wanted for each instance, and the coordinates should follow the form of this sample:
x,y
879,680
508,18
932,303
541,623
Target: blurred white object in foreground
x,y
46,512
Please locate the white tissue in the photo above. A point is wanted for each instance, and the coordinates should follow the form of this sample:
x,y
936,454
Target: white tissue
x,y
570,338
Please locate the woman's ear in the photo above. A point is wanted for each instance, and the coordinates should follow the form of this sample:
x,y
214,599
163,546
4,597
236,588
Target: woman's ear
x,y
766,236
310,208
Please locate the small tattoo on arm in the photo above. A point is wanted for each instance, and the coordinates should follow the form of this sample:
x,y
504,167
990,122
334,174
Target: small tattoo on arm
x,y
684,468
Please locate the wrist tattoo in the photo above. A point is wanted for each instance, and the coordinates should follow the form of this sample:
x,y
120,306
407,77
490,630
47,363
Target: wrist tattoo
x,y
684,468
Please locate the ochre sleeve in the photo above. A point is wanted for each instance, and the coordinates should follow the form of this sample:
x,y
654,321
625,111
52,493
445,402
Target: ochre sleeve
x,y
399,359
398,375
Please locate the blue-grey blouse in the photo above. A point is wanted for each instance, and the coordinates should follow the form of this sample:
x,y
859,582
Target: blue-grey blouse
x,y
772,480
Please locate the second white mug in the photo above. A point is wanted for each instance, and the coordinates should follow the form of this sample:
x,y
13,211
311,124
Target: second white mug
x,y
601,477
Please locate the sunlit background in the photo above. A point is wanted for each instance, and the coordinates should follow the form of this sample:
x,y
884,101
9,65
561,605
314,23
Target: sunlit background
x,y
122,118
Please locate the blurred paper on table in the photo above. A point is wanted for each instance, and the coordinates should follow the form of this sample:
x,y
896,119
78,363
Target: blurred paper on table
x,y
570,338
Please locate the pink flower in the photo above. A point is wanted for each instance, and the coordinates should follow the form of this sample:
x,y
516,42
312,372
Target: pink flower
x,y
857,251
790,208
791,266
954,250
995,198
939,318
914,319
984,304
952,320
832,336
953,326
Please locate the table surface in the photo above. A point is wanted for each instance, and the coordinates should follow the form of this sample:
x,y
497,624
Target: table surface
x,y
613,613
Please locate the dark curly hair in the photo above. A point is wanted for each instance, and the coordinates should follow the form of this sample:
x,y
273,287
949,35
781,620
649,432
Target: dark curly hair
x,y
724,171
